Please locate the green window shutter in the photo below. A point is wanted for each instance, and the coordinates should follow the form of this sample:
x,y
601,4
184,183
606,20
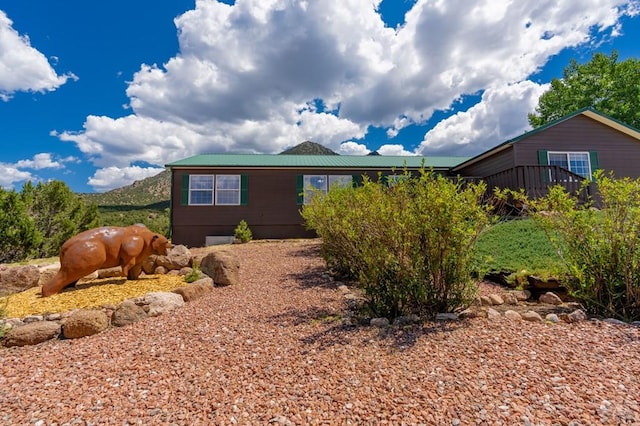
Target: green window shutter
x,y
543,158
593,158
300,189
244,189
184,190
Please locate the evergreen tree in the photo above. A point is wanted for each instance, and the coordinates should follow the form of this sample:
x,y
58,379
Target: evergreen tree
x,y
19,238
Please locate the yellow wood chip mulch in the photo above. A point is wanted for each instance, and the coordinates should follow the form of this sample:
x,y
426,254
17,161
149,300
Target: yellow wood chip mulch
x,y
89,294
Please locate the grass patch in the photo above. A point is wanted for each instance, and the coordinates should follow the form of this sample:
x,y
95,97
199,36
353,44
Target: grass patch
x,y
517,245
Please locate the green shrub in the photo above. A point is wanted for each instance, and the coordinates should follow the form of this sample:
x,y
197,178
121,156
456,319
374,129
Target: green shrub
x,y
599,246
194,275
409,244
242,232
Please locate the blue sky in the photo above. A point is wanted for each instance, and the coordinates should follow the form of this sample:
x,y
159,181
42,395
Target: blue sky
x,y
100,94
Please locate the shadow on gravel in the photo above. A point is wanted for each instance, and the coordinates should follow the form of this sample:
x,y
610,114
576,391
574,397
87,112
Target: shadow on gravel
x,y
337,333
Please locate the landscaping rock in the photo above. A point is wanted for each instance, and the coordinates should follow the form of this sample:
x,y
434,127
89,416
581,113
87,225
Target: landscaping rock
x,y
15,279
521,295
496,299
110,272
446,316
575,316
195,290
532,316
379,322
492,314
127,313
552,318
512,315
550,298
160,302
223,266
485,301
510,298
178,257
85,322
32,334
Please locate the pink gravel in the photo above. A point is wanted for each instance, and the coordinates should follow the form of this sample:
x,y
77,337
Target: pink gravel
x,y
273,350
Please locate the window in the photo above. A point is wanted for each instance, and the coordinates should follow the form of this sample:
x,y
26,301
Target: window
x,y
314,184
200,190
228,190
576,162
221,190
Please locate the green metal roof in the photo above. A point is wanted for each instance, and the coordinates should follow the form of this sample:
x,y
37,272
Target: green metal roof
x,y
319,161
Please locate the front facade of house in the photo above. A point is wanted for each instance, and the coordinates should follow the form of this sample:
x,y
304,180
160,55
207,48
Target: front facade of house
x,y
212,193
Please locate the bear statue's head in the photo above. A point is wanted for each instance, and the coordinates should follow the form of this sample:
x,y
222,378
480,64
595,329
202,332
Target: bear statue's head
x,y
160,245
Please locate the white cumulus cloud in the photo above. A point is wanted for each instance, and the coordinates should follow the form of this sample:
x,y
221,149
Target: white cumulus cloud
x,y
22,67
260,76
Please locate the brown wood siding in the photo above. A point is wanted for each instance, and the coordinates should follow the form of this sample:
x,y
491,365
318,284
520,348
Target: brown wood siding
x,y
271,211
493,164
617,151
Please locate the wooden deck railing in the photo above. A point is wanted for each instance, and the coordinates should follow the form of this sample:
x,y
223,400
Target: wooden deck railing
x,y
536,180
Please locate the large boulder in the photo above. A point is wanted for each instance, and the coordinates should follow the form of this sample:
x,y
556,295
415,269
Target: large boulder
x,y
223,266
160,302
32,333
178,257
195,290
126,313
85,322
14,279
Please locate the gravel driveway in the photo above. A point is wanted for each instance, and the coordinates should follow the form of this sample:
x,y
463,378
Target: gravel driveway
x,y
273,351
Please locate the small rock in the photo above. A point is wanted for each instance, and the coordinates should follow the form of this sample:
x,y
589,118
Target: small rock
x,y
521,295
85,322
343,289
510,298
31,334
56,316
469,313
496,299
406,319
127,313
550,298
446,316
531,316
195,290
379,322
614,321
32,318
485,301
513,315
552,318
636,323
492,313
160,302
576,316
114,272
574,305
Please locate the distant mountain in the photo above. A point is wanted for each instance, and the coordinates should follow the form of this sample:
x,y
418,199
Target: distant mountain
x,y
156,189
308,148
152,190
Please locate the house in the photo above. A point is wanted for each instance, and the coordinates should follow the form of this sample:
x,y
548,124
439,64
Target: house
x,y
564,152
212,193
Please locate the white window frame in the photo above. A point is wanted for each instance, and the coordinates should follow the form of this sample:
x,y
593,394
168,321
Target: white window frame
x,y
328,182
214,190
567,155
219,191
193,179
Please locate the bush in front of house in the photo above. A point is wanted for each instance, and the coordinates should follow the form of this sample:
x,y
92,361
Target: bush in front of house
x,y
601,247
408,242
242,232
